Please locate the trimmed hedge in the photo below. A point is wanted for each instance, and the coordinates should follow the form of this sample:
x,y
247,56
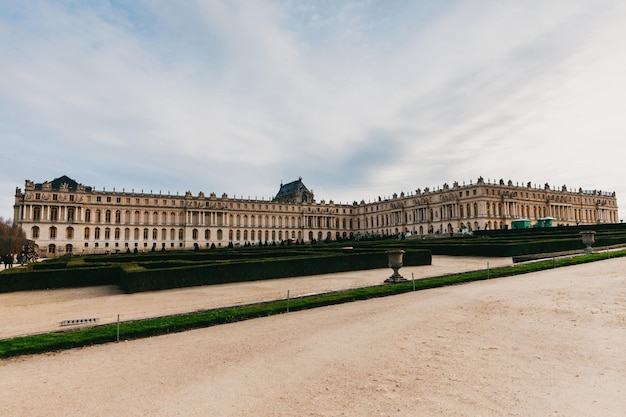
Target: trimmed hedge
x,y
165,274
59,278
141,279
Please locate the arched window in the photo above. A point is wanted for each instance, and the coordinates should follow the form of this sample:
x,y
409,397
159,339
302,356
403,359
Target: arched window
x,y
145,233
194,234
207,234
136,233
118,216
96,233
107,216
87,233
180,234
117,233
69,233
70,214
107,233
53,232
127,234
68,248
37,213
219,234
155,234
35,232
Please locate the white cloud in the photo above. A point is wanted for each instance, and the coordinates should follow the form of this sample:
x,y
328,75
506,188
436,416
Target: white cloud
x,y
359,98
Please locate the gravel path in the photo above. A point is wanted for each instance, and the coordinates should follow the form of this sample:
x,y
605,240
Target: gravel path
x,y
543,344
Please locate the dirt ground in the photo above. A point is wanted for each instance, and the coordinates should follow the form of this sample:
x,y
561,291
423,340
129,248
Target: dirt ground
x,y
550,343
29,312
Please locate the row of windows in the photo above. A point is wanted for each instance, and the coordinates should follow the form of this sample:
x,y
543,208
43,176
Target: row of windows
x,y
493,209
170,234
196,218
69,248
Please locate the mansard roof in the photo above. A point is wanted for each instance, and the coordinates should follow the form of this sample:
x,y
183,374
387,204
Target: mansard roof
x,y
57,183
291,189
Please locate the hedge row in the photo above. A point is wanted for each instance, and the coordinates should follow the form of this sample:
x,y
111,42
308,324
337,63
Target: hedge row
x,y
508,248
140,279
59,278
134,277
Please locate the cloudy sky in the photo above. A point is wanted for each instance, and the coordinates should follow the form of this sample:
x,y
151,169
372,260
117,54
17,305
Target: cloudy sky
x,y
359,98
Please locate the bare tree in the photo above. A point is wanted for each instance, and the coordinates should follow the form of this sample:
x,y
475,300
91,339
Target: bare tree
x,y
12,237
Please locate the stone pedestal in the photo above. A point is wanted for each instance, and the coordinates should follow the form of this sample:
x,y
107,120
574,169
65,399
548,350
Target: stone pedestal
x,y
589,238
395,263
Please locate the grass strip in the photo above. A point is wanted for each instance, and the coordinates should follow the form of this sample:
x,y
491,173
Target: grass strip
x,y
129,330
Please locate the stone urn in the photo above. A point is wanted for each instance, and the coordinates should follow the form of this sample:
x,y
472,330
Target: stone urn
x,y
589,238
395,263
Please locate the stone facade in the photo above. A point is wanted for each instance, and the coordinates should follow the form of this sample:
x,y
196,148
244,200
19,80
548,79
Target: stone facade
x,y
63,216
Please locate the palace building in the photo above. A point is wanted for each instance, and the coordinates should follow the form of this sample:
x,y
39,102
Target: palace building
x,y
64,217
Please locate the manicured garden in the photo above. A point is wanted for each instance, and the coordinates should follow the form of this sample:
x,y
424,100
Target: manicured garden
x,y
177,323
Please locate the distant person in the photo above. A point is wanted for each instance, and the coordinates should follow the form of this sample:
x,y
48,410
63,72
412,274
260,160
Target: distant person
x,y
8,260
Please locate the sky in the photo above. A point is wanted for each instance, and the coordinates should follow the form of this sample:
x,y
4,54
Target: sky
x,y
360,99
